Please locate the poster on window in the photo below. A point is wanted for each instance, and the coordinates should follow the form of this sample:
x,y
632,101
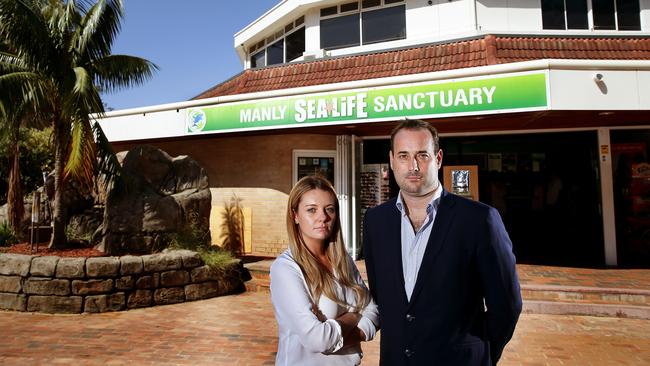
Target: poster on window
x,y
462,180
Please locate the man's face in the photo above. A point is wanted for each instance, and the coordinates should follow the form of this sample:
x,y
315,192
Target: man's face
x,y
414,162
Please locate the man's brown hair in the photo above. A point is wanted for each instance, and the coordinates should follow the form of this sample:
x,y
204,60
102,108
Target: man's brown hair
x,y
416,124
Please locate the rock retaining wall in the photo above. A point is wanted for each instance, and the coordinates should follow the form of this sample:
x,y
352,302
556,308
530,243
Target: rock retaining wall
x,y
101,284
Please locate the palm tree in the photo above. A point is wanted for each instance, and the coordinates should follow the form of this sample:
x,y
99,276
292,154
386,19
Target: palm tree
x,y
62,60
12,115
9,131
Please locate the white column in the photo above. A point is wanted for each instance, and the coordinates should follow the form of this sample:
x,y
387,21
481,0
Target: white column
x,y
342,183
607,196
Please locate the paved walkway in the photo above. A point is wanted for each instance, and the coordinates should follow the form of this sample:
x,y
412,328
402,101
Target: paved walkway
x,y
241,330
587,277
638,279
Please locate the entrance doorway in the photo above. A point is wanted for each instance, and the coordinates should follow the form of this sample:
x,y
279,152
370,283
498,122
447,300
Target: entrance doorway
x,y
631,171
545,186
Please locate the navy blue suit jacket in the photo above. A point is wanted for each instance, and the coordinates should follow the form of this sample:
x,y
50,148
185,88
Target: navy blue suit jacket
x,y
466,300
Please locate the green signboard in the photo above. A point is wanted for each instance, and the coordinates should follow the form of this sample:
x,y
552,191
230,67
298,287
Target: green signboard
x,y
514,92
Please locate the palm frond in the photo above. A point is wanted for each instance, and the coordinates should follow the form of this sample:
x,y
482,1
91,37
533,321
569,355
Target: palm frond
x,y
26,31
116,72
81,158
99,27
84,97
110,171
25,87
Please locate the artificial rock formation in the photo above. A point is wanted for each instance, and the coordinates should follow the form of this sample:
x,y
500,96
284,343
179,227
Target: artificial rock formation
x,y
165,195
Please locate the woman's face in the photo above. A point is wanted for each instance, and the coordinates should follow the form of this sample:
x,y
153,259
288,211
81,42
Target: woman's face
x,y
315,216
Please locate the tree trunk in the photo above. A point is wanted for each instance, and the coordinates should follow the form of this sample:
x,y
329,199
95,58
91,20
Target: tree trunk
x,y
59,239
16,209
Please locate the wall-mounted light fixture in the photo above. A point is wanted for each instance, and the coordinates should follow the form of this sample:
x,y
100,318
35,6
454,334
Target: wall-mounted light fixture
x,y
598,78
600,82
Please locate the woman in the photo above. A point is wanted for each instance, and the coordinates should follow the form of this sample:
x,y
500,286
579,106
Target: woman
x,y
322,306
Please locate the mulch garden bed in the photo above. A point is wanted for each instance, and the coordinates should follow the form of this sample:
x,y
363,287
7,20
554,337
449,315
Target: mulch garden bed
x,y
42,250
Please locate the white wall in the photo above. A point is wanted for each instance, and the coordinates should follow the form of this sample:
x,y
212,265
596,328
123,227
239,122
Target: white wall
x,y
509,15
644,89
312,31
645,15
620,90
139,126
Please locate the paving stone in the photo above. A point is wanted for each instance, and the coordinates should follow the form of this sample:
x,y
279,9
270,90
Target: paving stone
x,y
241,330
55,304
131,265
103,267
140,299
105,303
15,264
161,262
215,331
17,302
46,286
71,268
91,287
11,284
44,266
174,278
172,295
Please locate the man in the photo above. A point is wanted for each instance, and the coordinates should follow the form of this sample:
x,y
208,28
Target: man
x,y
440,266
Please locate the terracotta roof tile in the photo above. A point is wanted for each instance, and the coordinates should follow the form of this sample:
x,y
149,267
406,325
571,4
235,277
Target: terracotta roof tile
x,y
435,57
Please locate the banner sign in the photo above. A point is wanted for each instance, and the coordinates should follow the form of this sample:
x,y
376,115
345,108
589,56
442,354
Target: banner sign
x,y
511,93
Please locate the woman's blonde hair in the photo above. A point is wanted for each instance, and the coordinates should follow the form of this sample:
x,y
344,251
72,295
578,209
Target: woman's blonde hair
x,y
318,278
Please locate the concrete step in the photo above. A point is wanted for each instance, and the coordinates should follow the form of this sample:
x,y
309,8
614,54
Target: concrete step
x,y
259,271
538,299
590,295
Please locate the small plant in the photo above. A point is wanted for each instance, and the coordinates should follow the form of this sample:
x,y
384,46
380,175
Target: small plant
x,y
217,259
192,238
232,228
7,235
196,239
75,232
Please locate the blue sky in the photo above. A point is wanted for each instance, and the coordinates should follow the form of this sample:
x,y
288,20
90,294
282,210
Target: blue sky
x,y
191,41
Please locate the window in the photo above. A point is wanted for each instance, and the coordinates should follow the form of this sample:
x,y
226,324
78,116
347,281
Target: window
x,y
295,44
628,14
313,162
285,45
258,59
375,22
384,24
339,32
605,14
576,14
553,14
275,53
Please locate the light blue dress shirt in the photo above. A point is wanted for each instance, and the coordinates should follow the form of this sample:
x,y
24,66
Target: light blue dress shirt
x,y
415,243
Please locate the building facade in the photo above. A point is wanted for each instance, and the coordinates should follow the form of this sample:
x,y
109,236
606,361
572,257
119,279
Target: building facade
x,y
543,109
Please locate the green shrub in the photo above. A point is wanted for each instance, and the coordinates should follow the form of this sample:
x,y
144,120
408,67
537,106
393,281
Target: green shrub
x,y
192,238
216,258
7,235
196,239
36,157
